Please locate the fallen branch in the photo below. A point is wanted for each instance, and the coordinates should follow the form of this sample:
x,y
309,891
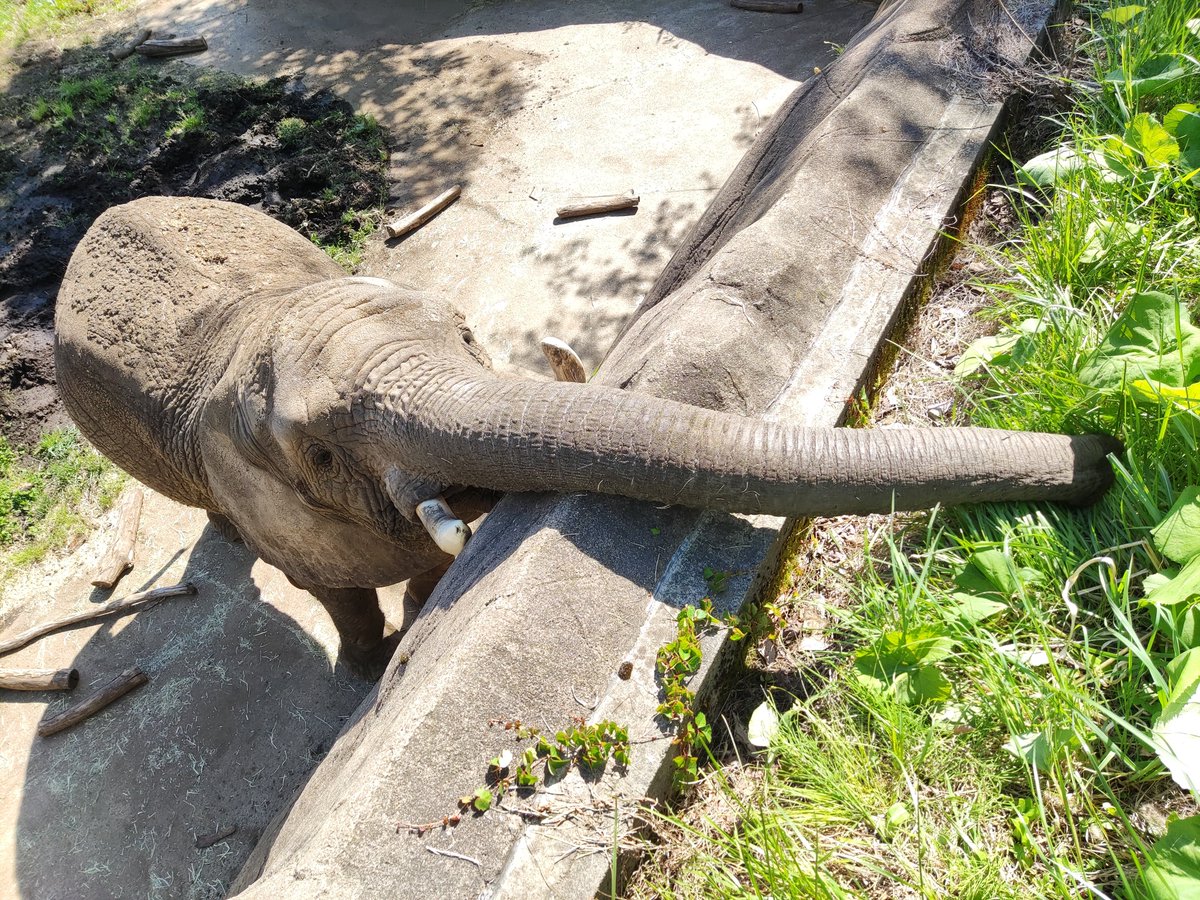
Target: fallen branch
x,y
127,51
160,47
599,205
39,679
133,601
772,6
119,558
412,222
106,694
563,360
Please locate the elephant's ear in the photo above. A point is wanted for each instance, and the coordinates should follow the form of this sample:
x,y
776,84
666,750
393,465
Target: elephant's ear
x,y
249,427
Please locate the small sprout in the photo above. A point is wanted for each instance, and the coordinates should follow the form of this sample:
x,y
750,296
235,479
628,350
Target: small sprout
x,y
656,531
482,800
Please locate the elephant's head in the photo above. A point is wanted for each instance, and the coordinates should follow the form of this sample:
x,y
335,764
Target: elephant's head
x,y
365,399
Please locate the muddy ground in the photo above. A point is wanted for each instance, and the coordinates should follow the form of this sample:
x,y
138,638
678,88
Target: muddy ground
x,y
80,133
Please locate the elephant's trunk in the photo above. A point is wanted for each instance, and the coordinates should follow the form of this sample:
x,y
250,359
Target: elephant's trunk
x,y
465,427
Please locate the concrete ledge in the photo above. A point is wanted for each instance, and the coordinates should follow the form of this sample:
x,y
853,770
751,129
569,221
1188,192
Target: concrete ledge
x,y
777,305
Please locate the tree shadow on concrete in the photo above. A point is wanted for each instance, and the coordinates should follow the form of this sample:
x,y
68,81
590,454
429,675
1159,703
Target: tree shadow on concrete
x,y
241,705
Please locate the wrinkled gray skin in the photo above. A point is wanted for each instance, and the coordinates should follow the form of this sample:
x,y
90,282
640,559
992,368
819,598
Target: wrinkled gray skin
x,y
223,360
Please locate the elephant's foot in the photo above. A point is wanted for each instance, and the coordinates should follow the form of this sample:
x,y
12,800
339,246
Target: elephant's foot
x,y
369,663
360,624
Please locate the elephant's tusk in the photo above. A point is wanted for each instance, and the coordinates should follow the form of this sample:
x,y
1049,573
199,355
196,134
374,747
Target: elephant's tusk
x,y
449,533
563,360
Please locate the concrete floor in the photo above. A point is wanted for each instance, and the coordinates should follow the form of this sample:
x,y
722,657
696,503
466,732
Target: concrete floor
x,y
525,104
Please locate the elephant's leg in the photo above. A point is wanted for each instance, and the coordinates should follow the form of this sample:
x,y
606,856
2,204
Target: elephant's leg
x,y
360,625
421,586
224,527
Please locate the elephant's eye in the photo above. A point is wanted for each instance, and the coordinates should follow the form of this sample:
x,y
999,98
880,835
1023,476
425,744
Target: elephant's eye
x,y
319,456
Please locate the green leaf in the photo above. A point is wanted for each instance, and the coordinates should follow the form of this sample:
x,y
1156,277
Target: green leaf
x,y
1154,75
1173,863
902,664
1047,169
764,725
1038,748
1104,236
1177,536
973,608
1182,588
983,350
999,574
925,684
482,799
1007,348
1184,123
1151,140
1154,338
1176,732
1122,14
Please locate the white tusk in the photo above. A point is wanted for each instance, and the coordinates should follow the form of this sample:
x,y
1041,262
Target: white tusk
x,y
563,360
449,533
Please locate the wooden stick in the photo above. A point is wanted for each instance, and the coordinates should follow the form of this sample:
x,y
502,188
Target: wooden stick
x,y
119,558
415,220
171,46
127,51
599,205
563,360
39,679
117,606
772,6
89,706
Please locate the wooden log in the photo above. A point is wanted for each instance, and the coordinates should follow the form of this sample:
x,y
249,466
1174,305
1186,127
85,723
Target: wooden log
x,y
107,693
413,221
127,50
772,6
563,360
119,558
159,47
599,205
39,679
133,601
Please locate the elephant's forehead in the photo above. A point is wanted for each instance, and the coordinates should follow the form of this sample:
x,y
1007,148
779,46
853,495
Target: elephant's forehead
x,y
340,328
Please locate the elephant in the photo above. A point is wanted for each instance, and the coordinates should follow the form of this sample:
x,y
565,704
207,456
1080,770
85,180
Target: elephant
x,y
327,420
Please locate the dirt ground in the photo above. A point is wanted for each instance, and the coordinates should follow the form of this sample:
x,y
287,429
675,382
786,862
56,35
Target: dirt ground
x,y
525,104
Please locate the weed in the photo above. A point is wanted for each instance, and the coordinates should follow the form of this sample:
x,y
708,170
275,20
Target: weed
x,y
290,131
23,20
47,494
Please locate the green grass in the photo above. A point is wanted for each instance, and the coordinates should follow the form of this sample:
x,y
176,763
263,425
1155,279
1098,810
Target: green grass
x,y
23,20
986,726
48,494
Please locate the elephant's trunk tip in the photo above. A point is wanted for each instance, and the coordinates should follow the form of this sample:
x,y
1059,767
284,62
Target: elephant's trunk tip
x,y
1094,473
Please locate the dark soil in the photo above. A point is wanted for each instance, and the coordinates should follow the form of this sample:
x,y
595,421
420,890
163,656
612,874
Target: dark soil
x,y
80,133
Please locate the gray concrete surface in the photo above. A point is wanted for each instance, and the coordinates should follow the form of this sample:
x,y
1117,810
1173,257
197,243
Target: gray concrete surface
x,y
776,304
529,103
511,99
243,701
